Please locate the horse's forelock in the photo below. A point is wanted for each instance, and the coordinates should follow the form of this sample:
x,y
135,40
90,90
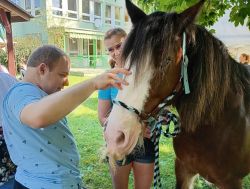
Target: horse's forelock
x,y
151,42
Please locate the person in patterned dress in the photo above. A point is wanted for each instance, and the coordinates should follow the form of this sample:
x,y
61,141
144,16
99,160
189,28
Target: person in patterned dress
x,y
7,168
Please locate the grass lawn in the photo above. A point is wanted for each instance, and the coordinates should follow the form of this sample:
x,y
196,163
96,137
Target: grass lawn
x,y
88,133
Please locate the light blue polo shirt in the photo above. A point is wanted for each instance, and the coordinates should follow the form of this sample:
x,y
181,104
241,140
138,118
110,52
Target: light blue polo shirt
x,y
108,94
46,158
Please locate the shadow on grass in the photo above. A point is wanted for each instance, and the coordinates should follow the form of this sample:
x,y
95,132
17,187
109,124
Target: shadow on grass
x,y
91,103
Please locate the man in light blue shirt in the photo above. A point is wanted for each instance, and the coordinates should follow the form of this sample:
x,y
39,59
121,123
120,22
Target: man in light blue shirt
x,y
35,128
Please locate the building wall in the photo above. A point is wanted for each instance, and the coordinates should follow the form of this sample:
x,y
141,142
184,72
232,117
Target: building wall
x,y
77,28
36,26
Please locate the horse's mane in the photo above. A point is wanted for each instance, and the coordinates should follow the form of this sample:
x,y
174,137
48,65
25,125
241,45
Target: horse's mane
x,y
142,47
212,71
212,74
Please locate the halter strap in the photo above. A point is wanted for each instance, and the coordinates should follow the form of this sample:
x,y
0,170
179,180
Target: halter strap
x,y
184,65
129,108
145,116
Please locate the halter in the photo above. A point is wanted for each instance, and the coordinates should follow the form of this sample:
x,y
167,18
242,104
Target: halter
x,y
161,115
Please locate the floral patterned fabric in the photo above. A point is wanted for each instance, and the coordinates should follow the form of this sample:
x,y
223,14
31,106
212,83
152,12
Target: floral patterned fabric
x,y
7,168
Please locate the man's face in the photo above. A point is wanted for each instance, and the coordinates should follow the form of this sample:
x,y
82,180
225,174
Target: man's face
x,y
55,79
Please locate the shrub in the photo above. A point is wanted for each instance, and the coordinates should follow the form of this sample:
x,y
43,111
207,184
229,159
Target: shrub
x,y
3,58
24,47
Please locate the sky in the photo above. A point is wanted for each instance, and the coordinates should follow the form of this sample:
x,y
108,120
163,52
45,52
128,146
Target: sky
x,y
237,39
229,34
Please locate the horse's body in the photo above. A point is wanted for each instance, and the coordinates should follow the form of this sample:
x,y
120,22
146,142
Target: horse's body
x,y
218,146
215,117
220,153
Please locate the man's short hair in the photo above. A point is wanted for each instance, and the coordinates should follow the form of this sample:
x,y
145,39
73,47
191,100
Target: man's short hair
x,y
48,54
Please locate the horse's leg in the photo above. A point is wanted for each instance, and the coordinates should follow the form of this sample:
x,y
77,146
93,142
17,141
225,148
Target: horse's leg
x,y
231,184
184,177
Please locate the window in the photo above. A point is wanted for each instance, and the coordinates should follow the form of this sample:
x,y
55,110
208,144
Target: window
x,y
33,7
97,13
37,4
57,7
37,7
97,9
108,14
17,2
85,10
72,9
126,17
99,47
27,4
73,46
118,15
85,47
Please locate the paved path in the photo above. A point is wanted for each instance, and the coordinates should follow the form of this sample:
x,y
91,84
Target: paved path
x,y
88,71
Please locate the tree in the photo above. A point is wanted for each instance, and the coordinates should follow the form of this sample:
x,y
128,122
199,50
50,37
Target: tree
x,y
56,36
24,46
213,10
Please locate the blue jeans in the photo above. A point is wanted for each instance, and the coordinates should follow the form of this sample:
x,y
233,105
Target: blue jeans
x,y
17,185
8,184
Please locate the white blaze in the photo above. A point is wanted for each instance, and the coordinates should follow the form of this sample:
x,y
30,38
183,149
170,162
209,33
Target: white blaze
x,y
123,121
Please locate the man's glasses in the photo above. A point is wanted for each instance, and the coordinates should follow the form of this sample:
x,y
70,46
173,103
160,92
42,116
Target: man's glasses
x,y
115,47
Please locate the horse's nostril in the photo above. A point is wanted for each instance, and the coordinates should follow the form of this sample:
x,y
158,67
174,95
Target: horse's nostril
x,y
121,138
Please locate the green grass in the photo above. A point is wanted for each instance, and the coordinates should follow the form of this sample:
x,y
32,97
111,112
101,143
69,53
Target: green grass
x,y
89,136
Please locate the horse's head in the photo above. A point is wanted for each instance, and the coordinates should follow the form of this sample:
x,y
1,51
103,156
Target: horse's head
x,y
153,51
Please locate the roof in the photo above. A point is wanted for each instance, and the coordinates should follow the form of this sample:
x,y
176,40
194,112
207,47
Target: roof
x,y
17,13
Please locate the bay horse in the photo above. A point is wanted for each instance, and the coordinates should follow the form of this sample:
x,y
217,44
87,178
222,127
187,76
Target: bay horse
x,y
214,141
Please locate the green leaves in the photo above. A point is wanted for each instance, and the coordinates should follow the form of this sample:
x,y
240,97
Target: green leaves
x,y
240,13
212,11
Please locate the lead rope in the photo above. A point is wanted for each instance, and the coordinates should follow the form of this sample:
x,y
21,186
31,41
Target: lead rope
x,y
165,118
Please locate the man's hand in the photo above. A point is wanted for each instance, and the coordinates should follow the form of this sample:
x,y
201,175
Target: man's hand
x,y
110,78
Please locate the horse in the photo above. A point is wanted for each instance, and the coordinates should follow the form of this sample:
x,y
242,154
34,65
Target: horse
x,y
212,97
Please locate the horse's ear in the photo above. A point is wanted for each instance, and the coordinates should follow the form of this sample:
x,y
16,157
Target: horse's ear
x,y
188,16
134,12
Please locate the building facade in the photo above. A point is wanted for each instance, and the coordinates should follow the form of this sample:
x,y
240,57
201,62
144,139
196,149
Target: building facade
x,y
77,26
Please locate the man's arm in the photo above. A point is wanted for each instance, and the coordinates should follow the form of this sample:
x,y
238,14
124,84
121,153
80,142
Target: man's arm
x,y
54,107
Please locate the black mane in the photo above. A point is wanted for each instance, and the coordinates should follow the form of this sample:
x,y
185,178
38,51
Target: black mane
x,y
213,73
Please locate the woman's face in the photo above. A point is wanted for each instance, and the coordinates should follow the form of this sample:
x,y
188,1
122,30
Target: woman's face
x,y
113,45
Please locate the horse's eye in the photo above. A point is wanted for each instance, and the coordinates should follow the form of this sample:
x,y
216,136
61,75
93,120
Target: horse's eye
x,y
168,60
